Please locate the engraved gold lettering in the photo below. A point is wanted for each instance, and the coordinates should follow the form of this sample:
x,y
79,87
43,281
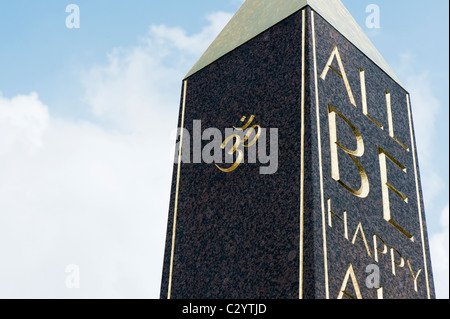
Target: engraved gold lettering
x,y
363,192
415,277
343,220
364,98
391,120
350,274
248,134
375,246
342,74
394,263
235,149
239,141
386,186
247,124
359,229
380,293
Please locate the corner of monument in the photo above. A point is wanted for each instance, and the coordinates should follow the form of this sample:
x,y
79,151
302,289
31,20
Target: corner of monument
x,y
256,16
320,196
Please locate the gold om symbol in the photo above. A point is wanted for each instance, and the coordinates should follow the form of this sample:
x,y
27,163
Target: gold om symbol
x,y
239,141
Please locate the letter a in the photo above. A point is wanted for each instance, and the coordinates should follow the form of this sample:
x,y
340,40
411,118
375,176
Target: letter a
x,y
342,74
350,273
73,19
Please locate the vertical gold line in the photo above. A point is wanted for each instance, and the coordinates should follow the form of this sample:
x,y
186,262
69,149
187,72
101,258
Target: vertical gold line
x,y
391,121
319,143
362,77
389,112
302,172
413,146
365,107
172,253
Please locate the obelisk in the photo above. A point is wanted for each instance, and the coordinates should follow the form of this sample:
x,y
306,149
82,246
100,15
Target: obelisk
x,y
336,210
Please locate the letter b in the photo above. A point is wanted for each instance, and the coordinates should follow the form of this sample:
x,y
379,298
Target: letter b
x,y
363,192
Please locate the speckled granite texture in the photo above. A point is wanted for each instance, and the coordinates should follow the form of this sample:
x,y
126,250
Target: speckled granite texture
x,y
238,234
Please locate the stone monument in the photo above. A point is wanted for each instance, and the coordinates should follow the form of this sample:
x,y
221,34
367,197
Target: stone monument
x,y
321,195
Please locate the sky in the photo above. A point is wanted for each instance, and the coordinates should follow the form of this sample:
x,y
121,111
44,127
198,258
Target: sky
x,y
87,125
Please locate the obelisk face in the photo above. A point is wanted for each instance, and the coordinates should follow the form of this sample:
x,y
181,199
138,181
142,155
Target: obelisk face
x,y
373,231
296,175
237,232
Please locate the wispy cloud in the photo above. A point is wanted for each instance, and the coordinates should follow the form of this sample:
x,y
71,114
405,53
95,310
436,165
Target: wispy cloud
x,y
440,258
23,121
426,111
96,194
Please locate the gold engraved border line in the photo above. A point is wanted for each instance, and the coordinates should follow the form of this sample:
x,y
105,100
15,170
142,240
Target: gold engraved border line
x,y
302,165
319,143
413,146
172,253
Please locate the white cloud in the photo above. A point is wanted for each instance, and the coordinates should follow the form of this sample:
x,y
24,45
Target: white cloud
x,y
95,194
440,256
88,197
23,120
426,106
426,111
134,89
195,44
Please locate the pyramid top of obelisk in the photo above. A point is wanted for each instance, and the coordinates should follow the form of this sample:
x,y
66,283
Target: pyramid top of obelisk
x,y
256,16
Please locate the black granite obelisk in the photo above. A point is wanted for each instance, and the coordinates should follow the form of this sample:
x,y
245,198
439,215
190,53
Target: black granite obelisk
x,y
340,214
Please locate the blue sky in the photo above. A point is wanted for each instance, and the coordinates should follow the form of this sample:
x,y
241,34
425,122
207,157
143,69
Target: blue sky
x,y
63,93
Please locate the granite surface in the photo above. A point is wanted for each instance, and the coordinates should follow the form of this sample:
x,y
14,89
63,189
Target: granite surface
x,y
238,233
367,212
